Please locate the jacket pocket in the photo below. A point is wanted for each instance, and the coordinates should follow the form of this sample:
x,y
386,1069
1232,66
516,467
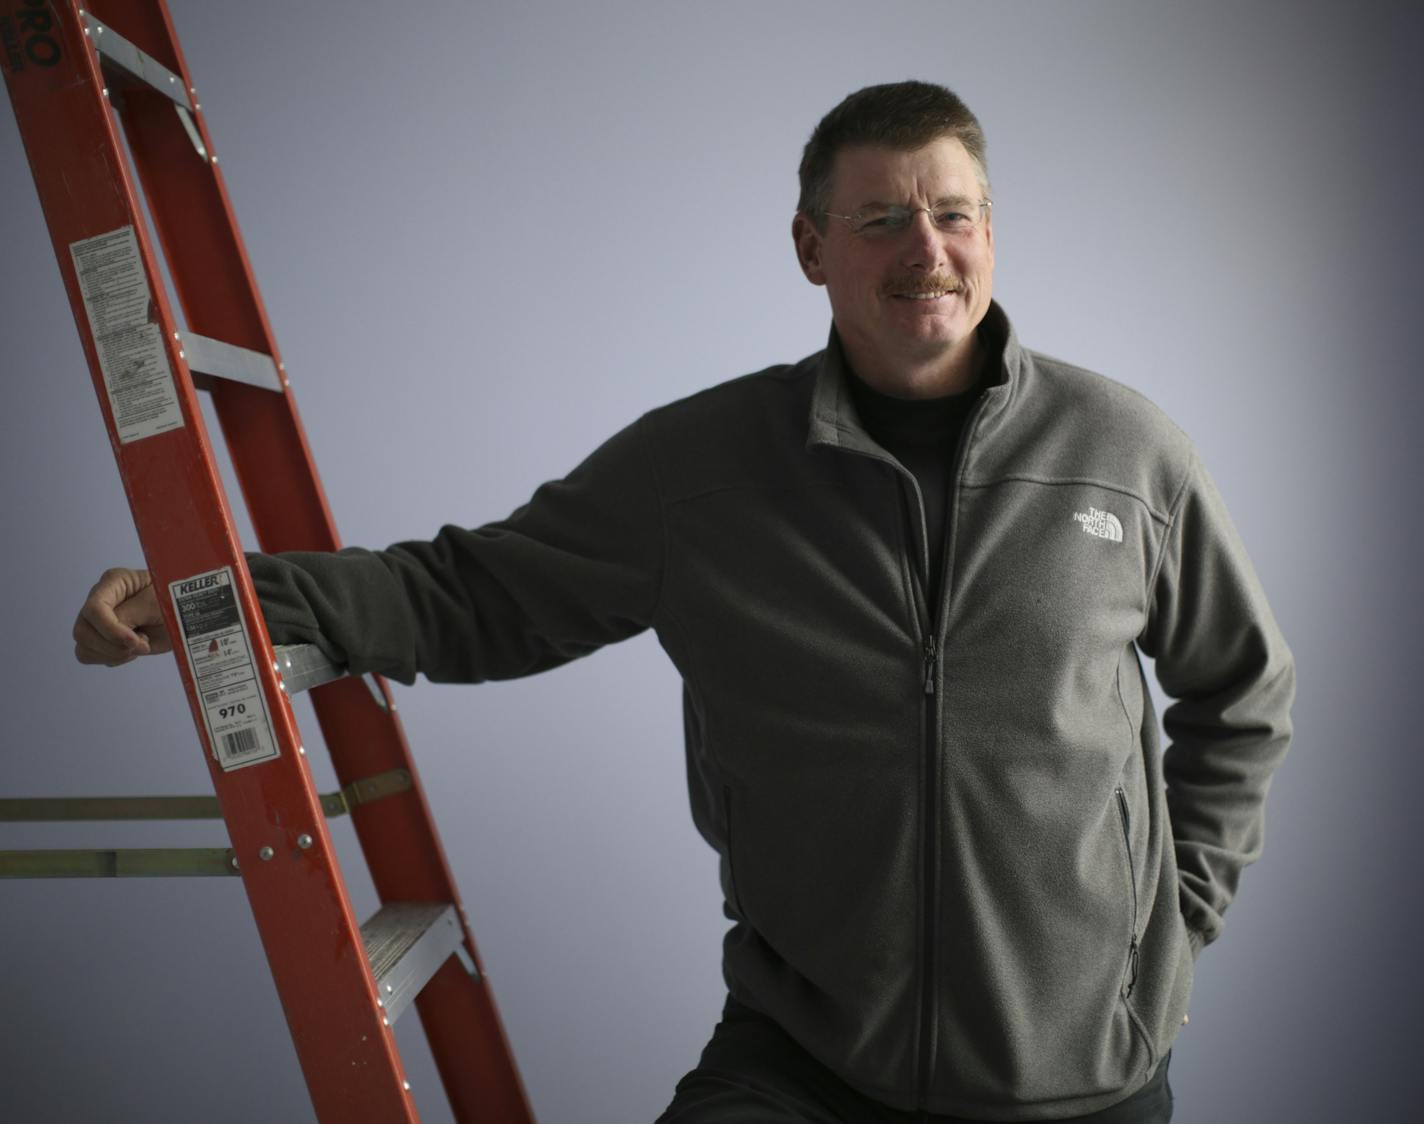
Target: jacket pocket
x,y
1132,951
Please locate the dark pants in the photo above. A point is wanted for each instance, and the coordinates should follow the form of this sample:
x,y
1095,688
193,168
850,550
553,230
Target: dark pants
x,y
753,1073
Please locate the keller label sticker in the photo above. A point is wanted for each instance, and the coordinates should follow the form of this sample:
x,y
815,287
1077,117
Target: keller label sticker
x,y
132,353
220,657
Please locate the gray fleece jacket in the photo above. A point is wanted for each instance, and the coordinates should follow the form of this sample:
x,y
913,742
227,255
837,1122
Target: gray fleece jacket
x,y
960,870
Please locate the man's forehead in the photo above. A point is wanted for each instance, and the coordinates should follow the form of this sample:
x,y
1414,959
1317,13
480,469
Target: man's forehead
x,y
941,170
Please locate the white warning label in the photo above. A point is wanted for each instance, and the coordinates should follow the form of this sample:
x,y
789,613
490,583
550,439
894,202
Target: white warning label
x,y
220,658
131,349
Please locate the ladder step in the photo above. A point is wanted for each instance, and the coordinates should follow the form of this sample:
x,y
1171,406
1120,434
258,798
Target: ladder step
x,y
406,943
304,666
117,54
228,361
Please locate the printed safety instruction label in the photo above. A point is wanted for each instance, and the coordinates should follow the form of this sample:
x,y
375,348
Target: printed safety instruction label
x,y
220,658
132,353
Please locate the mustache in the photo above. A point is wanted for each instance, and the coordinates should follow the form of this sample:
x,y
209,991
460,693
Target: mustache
x,y
923,283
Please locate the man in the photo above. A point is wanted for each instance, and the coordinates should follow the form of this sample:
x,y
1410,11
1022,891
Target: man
x,y
905,581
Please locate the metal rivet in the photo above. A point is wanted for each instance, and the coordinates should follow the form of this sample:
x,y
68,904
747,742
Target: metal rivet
x,y
198,106
182,354
304,841
215,159
106,91
380,1003
233,860
171,78
302,750
389,989
265,854
385,1021
406,1086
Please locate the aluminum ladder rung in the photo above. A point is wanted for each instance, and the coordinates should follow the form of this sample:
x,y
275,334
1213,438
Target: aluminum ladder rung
x,y
304,666
406,943
117,54
228,361
124,64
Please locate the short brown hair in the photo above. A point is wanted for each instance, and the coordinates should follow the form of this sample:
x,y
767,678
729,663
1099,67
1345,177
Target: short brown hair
x,y
899,115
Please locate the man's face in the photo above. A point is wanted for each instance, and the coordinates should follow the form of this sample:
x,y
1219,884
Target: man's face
x,y
905,306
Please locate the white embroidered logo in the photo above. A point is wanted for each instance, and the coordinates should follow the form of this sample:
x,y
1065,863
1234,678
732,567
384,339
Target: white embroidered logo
x,y
1103,524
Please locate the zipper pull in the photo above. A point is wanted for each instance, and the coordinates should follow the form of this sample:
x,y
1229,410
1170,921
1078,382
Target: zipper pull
x,y
930,666
1132,962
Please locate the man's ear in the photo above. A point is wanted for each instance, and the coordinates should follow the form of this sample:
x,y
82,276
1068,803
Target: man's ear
x,y
808,247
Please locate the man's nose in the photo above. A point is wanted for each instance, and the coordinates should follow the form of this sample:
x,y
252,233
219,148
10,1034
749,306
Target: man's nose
x,y
923,246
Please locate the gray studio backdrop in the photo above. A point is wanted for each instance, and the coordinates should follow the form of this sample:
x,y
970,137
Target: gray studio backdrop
x,y
490,234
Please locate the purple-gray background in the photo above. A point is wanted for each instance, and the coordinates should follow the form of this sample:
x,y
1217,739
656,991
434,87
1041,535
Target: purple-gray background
x,y
488,235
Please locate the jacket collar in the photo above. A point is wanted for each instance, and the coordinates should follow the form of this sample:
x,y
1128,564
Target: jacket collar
x,y
835,421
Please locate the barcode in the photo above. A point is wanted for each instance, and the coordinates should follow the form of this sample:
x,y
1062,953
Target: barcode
x,y
239,742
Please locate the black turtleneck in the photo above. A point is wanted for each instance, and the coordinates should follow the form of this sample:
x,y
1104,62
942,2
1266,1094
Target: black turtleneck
x,y
923,434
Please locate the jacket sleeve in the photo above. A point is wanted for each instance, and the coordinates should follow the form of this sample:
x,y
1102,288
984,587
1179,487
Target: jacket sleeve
x,y
577,567
1222,659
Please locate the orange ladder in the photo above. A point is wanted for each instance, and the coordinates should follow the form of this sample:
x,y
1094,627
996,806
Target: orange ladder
x,y
74,75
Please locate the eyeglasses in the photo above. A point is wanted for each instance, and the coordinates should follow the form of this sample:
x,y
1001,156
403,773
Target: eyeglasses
x,y
889,222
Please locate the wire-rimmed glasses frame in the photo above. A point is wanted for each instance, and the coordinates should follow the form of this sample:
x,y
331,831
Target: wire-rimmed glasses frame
x,y
959,217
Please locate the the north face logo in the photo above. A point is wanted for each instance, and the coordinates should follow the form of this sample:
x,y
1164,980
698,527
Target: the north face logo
x,y
1103,524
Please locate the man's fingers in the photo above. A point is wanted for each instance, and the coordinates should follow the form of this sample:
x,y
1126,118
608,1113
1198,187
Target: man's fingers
x,y
119,620
98,611
142,616
100,627
158,640
93,647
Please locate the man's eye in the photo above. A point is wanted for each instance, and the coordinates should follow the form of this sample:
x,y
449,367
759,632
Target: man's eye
x,y
878,222
951,218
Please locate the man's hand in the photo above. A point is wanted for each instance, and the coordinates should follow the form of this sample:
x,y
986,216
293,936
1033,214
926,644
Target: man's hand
x,y
120,620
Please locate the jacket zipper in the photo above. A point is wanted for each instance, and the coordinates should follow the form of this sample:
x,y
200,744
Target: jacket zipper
x,y
933,615
1132,878
931,866
929,624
